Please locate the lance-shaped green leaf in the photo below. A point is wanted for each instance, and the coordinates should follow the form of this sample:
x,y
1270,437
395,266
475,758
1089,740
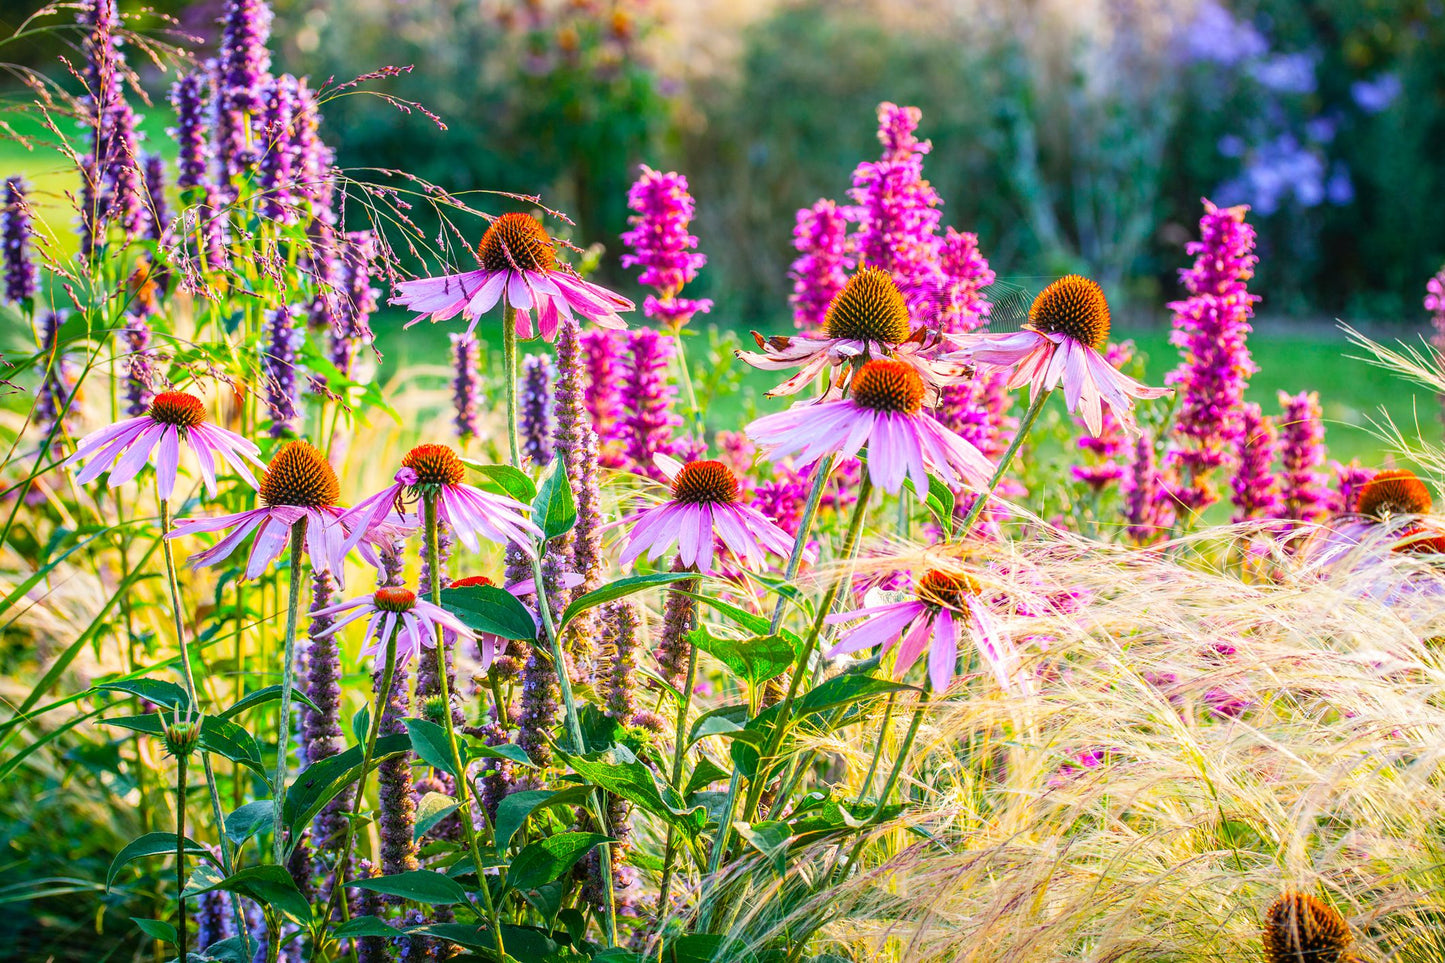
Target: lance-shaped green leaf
x,y
165,694
262,696
490,610
270,885
321,781
755,660
156,929
367,926
505,479
513,810
429,742
618,771
621,588
250,819
846,689
218,735
554,510
547,859
421,885
152,844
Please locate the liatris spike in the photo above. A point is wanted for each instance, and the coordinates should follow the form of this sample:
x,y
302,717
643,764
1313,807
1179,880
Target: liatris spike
x,y
158,216
897,210
604,379
1144,501
16,237
535,419
190,97
397,812
1211,328
277,153
673,644
1256,489
619,659
576,445
822,266
1304,494
661,245
278,368
321,736
240,76
466,385
1300,928
646,424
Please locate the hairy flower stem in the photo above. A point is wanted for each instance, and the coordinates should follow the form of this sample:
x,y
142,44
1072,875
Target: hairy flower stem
x,y
678,752
574,732
169,554
288,672
509,381
815,632
1003,465
465,790
181,854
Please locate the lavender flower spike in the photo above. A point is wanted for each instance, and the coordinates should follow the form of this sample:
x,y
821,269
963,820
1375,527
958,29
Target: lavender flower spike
x,y
661,245
576,445
536,414
241,74
16,237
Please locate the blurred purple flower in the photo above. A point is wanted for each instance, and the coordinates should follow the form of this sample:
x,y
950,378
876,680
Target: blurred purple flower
x,y
535,418
278,371
240,74
1305,495
16,237
645,425
1215,36
822,267
1287,73
1375,96
466,385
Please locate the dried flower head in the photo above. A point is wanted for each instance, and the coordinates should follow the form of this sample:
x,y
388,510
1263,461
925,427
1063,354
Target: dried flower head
x,y
1299,928
947,589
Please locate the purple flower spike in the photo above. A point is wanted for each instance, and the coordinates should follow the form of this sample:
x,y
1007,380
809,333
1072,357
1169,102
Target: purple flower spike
x,y
1144,500
1305,495
602,349
240,76
124,193
1435,304
466,385
1256,489
536,409
645,427
277,153
191,97
661,245
16,237
823,264
278,366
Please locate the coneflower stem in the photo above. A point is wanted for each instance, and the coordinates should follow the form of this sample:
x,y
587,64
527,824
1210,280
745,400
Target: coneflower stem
x,y
825,606
373,731
181,853
173,585
1003,465
465,791
677,756
288,671
509,382
574,731
689,393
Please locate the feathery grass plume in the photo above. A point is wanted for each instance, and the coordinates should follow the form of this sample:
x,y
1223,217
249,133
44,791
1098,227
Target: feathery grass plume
x,y
821,269
535,416
1304,494
466,386
21,277
1255,487
1300,928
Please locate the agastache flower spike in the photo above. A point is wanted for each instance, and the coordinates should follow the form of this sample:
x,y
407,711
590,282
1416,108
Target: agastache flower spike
x,y
1304,493
576,445
190,96
536,414
644,427
517,260
1256,489
603,377
661,245
16,236
821,270
466,386
278,367
240,74
174,420
885,413
1068,327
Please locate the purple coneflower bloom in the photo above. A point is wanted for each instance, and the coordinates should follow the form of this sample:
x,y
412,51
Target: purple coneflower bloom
x,y
415,621
518,260
704,509
885,412
174,420
467,511
299,483
940,600
868,319
1068,328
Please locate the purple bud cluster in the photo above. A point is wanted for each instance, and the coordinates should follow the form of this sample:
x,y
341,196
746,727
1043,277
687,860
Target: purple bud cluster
x,y
645,422
535,416
466,385
16,242
278,370
1349,479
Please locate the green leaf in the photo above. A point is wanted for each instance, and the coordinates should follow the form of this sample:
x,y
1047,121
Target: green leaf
x,y
720,721
319,783
430,810
421,885
167,695
941,503
157,929
507,751
429,742
547,859
367,926
262,696
361,724
706,773
769,838
490,610
846,689
754,660
621,588
752,622
250,819
270,885
505,479
513,810
618,771
554,510
152,844
706,948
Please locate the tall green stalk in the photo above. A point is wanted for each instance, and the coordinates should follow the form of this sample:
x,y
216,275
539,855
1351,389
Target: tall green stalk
x,y
181,853
509,382
1008,456
678,752
288,672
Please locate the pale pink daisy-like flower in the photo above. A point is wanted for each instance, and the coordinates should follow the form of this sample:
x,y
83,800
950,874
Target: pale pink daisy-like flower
x,y
469,512
867,319
519,261
175,420
1067,329
704,509
884,412
942,603
414,620
299,483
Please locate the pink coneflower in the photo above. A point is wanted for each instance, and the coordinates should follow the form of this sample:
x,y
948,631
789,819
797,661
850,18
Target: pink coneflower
x,y
173,421
884,412
940,600
517,260
414,620
867,319
1068,328
467,511
299,483
704,510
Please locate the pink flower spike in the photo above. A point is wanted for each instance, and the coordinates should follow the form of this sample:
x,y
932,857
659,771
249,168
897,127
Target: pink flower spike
x,y
518,263
175,420
703,511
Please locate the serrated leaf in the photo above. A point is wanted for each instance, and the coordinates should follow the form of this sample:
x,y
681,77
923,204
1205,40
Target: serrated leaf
x,y
513,810
547,859
846,689
754,660
429,742
491,610
554,510
250,819
367,926
262,696
421,885
270,885
319,783
430,810
152,844
621,588
618,771
156,929
167,695
505,479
